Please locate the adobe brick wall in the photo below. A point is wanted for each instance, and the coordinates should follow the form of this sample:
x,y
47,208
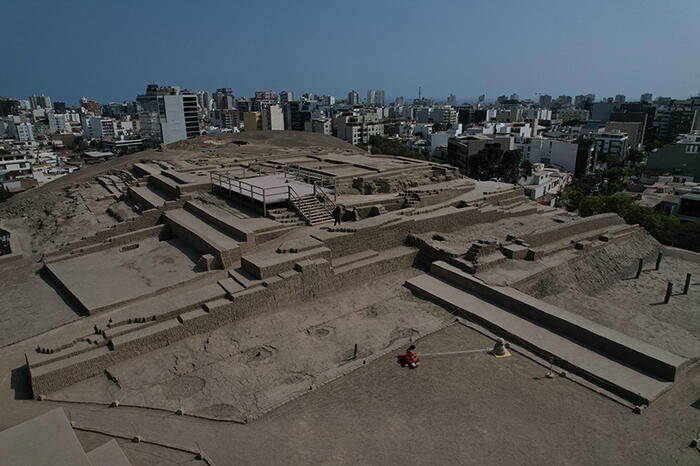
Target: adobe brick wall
x,y
309,279
560,231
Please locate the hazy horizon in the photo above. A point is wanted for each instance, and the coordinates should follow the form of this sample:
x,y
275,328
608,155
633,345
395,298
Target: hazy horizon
x,y
110,52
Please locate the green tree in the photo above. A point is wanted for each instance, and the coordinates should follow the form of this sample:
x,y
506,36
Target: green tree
x,y
666,229
509,166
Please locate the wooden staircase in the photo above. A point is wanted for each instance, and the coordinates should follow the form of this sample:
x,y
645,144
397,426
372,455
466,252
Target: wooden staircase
x,y
311,210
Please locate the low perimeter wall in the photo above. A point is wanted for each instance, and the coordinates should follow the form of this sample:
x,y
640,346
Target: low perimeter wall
x,y
307,280
621,347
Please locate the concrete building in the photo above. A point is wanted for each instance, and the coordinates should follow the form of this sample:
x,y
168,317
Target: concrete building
x,y
223,98
578,159
167,115
451,100
568,114
99,128
58,123
226,118
40,101
272,118
461,148
445,115
359,128
323,125
545,101
646,98
614,143
252,121
633,129
203,100
122,145
602,110
295,114
620,99
286,97
544,184
682,158
15,166
354,98
678,117
22,131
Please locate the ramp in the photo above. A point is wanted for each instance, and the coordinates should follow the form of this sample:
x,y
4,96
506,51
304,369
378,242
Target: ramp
x,y
632,369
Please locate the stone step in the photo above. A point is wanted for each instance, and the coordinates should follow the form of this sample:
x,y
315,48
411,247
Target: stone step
x,y
353,258
630,368
148,197
244,279
230,286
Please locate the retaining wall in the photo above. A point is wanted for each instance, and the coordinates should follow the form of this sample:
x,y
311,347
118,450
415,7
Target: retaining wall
x,y
621,347
560,231
308,280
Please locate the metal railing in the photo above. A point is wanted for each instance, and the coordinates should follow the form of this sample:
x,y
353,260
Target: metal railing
x,y
255,193
263,195
296,204
324,199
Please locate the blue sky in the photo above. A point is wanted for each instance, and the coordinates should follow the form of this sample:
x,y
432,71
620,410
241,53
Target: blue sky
x,y
110,50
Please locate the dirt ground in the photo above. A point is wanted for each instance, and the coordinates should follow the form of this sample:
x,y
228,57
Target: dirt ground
x,y
635,306
246,368
466,408
111,276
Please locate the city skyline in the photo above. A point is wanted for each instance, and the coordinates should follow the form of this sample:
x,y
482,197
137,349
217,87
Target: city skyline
x,y
519,51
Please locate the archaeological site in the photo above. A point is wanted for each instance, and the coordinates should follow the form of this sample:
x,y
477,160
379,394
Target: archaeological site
x,y
243,298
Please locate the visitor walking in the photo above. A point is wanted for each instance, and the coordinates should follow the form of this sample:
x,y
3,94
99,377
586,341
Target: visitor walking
x,y
355,214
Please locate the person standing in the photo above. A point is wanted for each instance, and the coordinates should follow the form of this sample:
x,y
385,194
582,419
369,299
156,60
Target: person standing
x,y
337,214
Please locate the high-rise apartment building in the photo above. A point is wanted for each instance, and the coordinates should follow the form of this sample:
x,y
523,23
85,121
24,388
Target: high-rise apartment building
x,y
40,101
223,98
645,98
286,97
353,98
167,115
272,118
545,101
451,100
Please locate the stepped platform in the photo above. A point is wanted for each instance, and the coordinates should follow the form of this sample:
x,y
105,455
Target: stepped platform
x,y
244,279
267,264
269,188
205,237
148,197
242,229
353,258
112,277
630,368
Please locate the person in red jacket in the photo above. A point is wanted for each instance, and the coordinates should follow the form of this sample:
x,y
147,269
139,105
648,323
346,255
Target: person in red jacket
x,y
410,359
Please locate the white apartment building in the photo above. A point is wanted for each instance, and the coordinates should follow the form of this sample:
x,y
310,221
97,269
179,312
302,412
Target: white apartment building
x,y
99,128
445,115
538,113
58,123
613,142
359,128
566,154
22,131
272,118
